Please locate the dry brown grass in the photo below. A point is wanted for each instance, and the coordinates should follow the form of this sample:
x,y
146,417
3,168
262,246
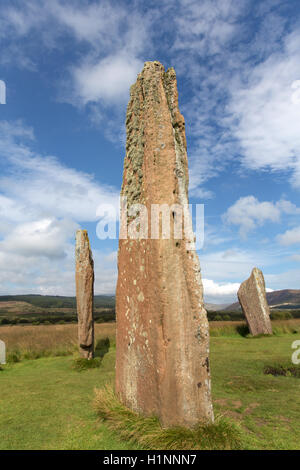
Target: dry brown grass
x,y
48,338
17,307
34,341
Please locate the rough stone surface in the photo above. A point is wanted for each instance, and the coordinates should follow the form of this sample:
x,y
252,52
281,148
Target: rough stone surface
x,y
2,352
85,294
253,300
162,365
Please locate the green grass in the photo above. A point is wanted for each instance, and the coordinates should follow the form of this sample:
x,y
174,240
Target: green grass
x,y
238,329
147,432
267,407
46,404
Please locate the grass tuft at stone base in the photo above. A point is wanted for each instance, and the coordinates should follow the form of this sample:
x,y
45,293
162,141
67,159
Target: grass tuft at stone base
x,y
148,434
81,363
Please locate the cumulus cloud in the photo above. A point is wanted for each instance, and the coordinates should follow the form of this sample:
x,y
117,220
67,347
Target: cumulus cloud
x,y
223,271
42,203
233,265
45,237
110,41
220,292
107,80
248,213
267,112
36,274
206,26
43,185
290,237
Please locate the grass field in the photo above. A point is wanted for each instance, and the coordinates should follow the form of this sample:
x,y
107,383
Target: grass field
x,y
47,404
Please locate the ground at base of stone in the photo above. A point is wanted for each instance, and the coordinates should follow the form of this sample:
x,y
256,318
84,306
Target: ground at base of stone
x,y
49,405
148,433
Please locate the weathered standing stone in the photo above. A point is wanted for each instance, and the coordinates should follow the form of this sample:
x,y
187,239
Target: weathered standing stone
x,y
253,300
2,352
85,294
162,365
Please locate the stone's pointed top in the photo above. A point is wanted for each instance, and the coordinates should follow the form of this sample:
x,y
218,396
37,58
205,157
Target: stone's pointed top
x,y
256,270
154,65
82,244
82,236
81,232
258,275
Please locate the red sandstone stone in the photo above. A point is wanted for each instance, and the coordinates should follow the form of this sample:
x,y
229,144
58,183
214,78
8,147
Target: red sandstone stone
x,y
162,365
253,300
85,294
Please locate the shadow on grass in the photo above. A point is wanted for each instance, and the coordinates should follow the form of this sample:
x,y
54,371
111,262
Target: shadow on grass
x,y
243,330
282,370
102,347
148,433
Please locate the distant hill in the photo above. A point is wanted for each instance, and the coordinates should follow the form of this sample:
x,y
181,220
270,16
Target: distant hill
x,y
279,299
49,301
47,309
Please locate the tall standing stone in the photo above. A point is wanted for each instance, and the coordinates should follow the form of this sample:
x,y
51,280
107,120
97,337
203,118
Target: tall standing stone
x,y
85,294
162,365
253,300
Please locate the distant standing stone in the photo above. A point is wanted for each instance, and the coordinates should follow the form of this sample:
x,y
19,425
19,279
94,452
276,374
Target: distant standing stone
x,y
85,294
253,300
2,353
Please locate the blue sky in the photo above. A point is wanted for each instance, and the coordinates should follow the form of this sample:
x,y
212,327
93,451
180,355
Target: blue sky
x,y
68,66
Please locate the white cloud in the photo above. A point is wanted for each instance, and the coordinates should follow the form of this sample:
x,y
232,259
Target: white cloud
x,y
45,237
290,237
114,41
284,280
93,22
223,271
43,185
42,203
219,292
267,115
108,80
206,26
233,265
20,274
248,213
